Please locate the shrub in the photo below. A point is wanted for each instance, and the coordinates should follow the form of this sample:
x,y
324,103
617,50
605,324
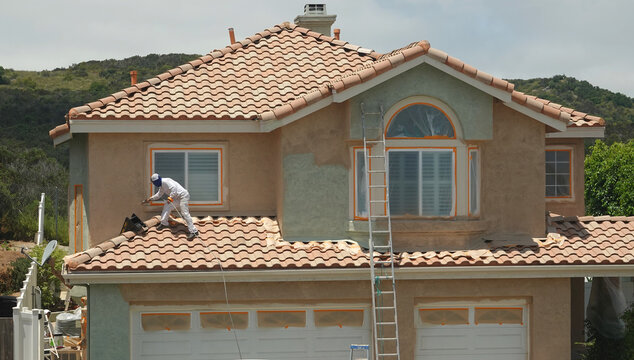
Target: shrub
x,y
602,348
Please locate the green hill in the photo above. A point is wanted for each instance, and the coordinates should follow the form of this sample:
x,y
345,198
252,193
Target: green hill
x,y
616,108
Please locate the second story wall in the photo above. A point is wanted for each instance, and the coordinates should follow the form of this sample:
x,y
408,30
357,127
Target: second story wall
x,y
573,203
119,170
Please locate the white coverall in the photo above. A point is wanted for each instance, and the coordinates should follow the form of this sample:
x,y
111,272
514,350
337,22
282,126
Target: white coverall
x,y
180,198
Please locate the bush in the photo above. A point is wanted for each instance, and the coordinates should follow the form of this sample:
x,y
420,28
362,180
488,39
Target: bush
x,y
49,284
602,348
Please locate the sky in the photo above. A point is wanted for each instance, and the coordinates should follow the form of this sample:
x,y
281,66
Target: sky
x,y
586,39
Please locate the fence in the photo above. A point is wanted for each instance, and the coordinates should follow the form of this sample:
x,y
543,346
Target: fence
x,y
6,338
28,321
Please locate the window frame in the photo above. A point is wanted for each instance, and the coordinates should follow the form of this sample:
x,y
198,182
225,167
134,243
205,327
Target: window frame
x,y
409,104
420,149
355,151
475,149
218,149
570,151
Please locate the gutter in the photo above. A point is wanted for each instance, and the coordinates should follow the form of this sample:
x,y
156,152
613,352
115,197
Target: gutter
x,y
349,274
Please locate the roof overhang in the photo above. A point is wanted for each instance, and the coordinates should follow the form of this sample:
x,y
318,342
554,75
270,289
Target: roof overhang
x,y
352,274
579,132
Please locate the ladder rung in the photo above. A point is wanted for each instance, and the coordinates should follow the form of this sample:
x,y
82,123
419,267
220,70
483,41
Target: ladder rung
x,y
387,339
390,354
384,277
383,262
387,323
382,246
374,141
378,201
376,171
385,307
386,292
378,186
376,156
379,216
381,231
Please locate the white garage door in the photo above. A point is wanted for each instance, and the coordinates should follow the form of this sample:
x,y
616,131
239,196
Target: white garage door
x,y
476,332
298,333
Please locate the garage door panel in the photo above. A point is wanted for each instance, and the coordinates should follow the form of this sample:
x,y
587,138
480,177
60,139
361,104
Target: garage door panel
x,y
487,341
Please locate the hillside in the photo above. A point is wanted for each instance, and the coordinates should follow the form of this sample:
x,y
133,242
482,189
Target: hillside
x,y
616,108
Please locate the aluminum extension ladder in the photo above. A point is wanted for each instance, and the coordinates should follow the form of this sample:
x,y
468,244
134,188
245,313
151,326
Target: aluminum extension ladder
x,y
384,316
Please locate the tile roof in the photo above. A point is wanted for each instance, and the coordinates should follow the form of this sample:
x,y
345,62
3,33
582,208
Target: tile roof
x,y
243,243
273,74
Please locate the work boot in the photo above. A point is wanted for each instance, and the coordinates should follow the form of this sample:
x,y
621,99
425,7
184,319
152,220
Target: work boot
x,y
161,227
192,235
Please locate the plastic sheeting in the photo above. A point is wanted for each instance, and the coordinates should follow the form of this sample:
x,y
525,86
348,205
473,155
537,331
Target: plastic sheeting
x,y
281,319
68,323
166,321
222,320
605,307
340,318
453,316
498,315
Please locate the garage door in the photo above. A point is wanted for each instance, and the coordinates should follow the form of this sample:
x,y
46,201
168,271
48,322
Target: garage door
x,y
472,332
296,333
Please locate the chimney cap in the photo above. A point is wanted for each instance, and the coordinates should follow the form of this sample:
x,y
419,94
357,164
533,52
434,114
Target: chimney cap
x,y
315,9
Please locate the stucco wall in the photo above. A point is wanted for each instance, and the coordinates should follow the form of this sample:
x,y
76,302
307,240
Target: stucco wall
x,y
472,106
548,302
78,177
315,162
513,179
119,177
576,204
108,323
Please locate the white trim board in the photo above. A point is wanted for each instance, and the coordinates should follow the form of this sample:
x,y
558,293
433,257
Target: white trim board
x,y
422,273
579,132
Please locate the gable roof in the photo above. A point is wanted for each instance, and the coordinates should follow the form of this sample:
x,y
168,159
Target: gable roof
x,y
280,71
247,243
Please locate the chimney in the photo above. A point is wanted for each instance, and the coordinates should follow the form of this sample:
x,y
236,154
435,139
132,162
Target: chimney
x,y
337,33
316,19
232,36
133,77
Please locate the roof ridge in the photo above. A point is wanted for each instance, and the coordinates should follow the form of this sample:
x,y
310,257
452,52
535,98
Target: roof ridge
x,y
205,59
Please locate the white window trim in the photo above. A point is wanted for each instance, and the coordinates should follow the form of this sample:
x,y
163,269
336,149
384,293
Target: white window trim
x,y
220,148
570,197
479,181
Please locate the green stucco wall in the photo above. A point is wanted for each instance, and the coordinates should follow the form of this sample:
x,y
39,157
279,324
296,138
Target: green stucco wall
x,y
473,107
108,323
310,214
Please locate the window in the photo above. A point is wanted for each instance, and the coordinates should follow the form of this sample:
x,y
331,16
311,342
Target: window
x,y
558,170
224,320
165,321
421,182
360,185
281,319
474,181
199,170
431,171
444,316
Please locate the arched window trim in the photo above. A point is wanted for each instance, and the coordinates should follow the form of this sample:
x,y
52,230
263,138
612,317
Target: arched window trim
x,y
426,103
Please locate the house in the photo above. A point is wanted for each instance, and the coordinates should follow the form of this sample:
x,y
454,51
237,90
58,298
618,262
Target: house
x,y
267,135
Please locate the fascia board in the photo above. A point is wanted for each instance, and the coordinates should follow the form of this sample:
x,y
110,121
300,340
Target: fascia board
x,y
579,132
441,272
164,126
546,120
62,138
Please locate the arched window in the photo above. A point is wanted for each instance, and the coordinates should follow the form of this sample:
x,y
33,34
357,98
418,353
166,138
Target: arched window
x,y
420,121
432,171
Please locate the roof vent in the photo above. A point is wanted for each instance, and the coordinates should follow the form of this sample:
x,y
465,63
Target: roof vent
x,y
316,18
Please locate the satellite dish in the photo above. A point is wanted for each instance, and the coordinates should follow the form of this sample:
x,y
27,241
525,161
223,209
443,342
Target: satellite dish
x,y
48,251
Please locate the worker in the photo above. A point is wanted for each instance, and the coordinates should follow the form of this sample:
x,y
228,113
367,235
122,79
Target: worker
x,y
177,197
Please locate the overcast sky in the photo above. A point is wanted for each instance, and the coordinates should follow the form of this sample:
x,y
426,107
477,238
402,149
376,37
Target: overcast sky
x,y
587,39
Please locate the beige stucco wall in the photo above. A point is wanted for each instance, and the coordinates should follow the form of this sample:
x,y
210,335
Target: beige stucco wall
x,y
548,302
119,173
576,204
513,179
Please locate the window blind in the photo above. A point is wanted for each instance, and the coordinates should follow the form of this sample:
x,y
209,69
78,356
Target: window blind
x,y
198,171
361,186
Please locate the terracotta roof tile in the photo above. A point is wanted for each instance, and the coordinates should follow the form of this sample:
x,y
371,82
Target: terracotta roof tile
x,y
256,243
260,76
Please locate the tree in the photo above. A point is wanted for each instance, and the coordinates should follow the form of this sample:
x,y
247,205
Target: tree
x,y
609,184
